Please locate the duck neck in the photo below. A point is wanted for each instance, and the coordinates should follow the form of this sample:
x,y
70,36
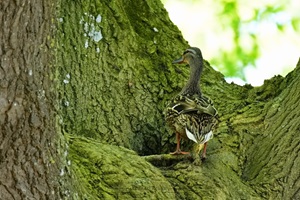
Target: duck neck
x,y
192,86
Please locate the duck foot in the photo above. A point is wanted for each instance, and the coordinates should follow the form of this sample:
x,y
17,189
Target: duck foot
x,y
178,151
203,156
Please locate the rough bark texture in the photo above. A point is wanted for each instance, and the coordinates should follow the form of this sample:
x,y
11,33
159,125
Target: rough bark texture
x,y
115,74
114,89
272,159
111,172
28,141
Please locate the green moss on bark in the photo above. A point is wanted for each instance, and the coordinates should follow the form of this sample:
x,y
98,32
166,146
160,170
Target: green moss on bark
x,y
114,90
110,172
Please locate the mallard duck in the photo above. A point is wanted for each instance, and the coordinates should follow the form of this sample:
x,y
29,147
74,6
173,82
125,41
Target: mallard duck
x,y
190,114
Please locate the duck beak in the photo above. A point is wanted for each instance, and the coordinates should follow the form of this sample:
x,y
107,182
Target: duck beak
x,y
178,61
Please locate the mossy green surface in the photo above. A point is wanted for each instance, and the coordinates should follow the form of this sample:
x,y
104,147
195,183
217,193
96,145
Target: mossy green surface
x,y
110,172
114,90
120,83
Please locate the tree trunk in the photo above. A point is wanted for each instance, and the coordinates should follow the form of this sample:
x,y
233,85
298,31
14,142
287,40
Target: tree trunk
x,y
112,77
115,71
116,76
29,145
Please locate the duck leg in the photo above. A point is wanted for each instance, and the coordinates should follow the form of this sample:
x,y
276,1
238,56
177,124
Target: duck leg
x,y
203,156
178,150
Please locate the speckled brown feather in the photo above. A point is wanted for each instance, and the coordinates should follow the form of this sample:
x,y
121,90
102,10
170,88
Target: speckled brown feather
x,y
196,113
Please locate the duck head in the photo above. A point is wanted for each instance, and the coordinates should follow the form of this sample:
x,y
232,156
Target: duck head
x,y
192,53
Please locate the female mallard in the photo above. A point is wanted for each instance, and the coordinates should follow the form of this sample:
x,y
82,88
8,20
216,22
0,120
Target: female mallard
x,y
190,114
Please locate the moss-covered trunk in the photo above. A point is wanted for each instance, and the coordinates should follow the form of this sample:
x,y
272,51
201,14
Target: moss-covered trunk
x,y
115,76
113,71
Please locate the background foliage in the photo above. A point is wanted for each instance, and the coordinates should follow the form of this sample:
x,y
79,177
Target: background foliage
x,y
238,36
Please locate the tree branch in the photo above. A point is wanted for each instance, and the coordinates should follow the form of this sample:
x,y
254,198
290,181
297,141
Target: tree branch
x,y
165,160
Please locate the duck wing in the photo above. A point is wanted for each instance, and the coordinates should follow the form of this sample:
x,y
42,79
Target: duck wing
x,y
195,114
198,104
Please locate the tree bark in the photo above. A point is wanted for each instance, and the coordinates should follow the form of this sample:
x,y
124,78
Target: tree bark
x,y
29,156
114,89
92,105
